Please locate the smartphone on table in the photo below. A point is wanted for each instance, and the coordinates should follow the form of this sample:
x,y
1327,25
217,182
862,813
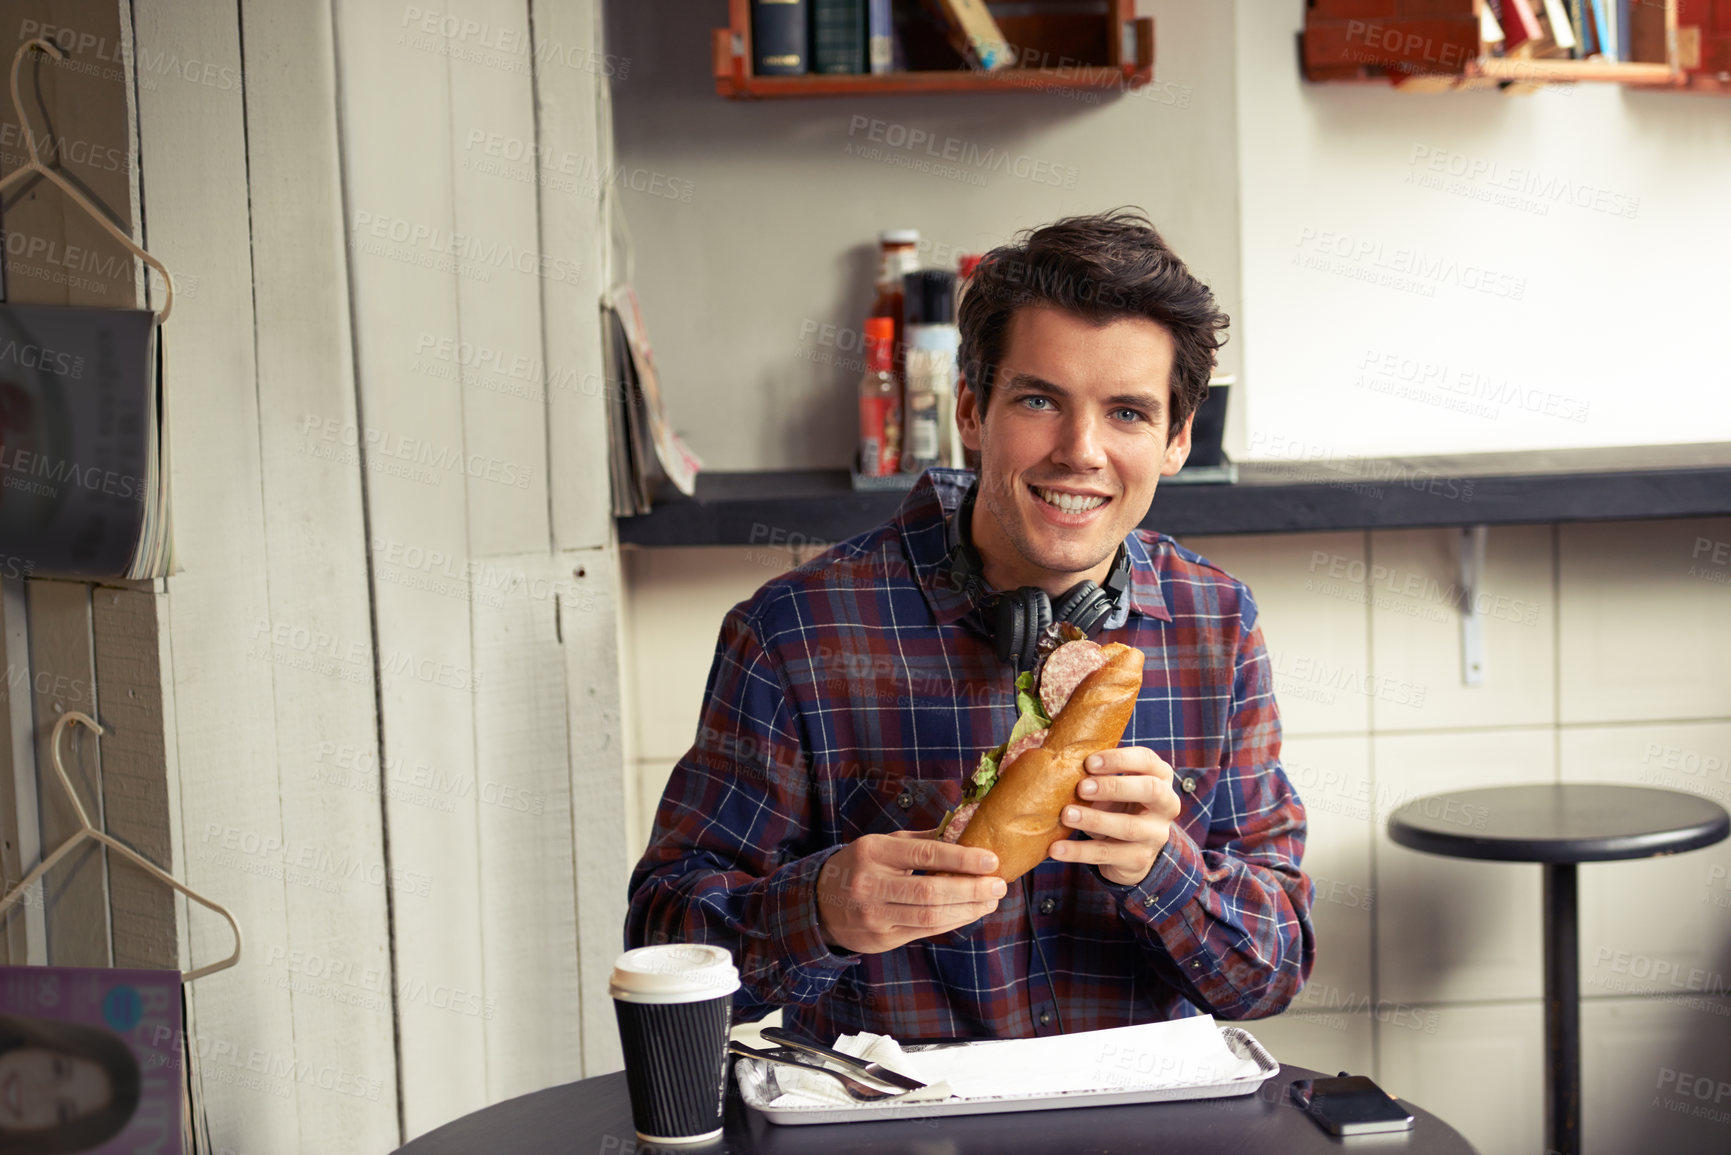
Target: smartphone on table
x,y
1350,1105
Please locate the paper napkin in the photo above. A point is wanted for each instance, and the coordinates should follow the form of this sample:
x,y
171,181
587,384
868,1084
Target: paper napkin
x,y
1152,1056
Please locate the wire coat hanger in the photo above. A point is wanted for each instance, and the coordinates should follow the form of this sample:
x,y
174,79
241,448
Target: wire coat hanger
x,y
87,829
35,165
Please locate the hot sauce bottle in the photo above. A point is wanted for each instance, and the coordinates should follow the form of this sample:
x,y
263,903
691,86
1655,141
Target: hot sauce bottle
x,y
880,420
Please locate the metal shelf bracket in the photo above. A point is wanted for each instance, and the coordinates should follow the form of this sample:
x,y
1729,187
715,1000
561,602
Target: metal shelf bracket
x,y
1472,564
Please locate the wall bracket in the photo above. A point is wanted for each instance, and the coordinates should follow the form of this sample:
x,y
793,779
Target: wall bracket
x,y
1472,564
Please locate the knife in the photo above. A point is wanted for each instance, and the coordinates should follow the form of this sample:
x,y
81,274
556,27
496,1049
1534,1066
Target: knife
x,y
871,1070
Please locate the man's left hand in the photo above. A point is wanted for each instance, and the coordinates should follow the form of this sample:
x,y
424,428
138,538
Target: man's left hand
x,y
1127,808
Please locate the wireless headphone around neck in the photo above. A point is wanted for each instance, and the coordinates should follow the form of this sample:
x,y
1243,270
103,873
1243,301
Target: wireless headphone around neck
x,y
1017,618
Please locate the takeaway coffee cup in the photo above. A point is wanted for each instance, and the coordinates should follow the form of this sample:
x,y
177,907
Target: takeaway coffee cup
x,y
675,1005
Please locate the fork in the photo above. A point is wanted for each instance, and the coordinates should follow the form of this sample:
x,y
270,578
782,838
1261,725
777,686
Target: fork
x,y
875,1070
855,1089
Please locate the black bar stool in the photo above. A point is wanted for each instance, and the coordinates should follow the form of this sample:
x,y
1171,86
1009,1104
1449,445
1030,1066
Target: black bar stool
x,y
1560,826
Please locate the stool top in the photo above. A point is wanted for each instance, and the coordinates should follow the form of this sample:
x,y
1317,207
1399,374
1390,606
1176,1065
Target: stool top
x,y
1570,822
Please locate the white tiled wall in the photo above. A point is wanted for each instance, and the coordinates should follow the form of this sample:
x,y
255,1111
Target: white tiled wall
x,y
1415,630
1309,592
675,600
1607,660
1630,943
1479,1066
1450,930
1643,620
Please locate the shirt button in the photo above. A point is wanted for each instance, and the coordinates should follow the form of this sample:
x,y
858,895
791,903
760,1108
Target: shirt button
x,y
1047,906
1189,784
905,799
1045,1018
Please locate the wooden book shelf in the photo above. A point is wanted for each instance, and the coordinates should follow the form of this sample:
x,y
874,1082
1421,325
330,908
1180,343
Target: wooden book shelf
x,y
1066,45
1434,45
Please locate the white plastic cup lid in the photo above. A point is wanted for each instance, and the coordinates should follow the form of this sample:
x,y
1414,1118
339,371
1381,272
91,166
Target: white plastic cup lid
x,y
899,237
674,973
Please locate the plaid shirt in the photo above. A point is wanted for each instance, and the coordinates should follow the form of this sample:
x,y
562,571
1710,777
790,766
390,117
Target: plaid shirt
x,y
854,695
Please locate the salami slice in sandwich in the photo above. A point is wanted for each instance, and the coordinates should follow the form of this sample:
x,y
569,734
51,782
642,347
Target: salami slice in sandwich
x,y
1076,703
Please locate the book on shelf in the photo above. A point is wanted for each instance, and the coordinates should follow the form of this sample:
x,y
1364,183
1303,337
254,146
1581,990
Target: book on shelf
x,y
780,41
1554,19
1604,29
880,37
838,37
1491,31
975,34
1521,33
1581,16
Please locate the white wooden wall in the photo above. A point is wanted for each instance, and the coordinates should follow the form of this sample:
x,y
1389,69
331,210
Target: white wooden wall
x,y
361,710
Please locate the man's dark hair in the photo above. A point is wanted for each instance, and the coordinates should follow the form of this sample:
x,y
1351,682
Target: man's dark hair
x,y
1101,268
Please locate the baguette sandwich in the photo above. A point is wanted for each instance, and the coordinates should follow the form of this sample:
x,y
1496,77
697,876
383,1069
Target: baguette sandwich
x,y
1073,705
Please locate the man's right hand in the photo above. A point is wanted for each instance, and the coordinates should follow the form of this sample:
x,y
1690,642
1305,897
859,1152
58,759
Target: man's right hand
x,y
869,900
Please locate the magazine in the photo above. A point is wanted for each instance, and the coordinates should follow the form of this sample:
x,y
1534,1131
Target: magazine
x,y
83,472
90,1058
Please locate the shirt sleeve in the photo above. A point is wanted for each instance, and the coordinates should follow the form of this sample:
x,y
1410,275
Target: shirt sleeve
x,y
1228,920
734,857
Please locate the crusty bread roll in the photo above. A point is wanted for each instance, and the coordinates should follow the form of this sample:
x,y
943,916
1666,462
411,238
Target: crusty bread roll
x,y
1019,818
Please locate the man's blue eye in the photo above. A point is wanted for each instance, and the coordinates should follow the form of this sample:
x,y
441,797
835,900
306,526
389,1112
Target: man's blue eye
x,y
1036,400
1130,415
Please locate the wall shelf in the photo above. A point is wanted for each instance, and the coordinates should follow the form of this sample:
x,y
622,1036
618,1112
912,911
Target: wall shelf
x,y
783,508
1124,61
1434,45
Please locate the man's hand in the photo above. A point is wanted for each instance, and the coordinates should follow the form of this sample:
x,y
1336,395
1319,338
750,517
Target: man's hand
x,y
1128,812
869,900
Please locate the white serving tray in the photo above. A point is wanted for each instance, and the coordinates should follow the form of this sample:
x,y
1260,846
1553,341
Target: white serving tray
x,y
758,1089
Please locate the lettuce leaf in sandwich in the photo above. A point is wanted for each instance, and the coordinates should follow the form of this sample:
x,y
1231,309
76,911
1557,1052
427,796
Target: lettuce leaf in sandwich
x,y
1030,718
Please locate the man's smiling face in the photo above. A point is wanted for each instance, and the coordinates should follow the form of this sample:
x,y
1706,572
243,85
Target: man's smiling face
x,y
1072,445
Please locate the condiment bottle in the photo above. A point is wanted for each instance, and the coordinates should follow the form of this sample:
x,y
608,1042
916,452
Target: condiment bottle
x,y
898,255
933,342
879,402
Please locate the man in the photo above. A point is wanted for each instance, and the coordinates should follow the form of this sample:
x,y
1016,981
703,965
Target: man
x,y
852,697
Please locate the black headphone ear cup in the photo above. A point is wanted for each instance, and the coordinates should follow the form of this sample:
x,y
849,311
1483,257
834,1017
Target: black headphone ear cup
x,y
1092,612
1006,625
1039,616
1074,600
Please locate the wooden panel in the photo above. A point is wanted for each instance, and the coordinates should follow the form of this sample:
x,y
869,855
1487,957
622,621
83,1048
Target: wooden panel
x,y
55,254
504,436
20,842
576,120
335,957
529,902
129,665
62,663
396,120
194,164
589,623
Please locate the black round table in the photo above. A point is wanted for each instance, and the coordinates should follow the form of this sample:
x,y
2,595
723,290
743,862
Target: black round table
x,y
594,1117
1560,826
